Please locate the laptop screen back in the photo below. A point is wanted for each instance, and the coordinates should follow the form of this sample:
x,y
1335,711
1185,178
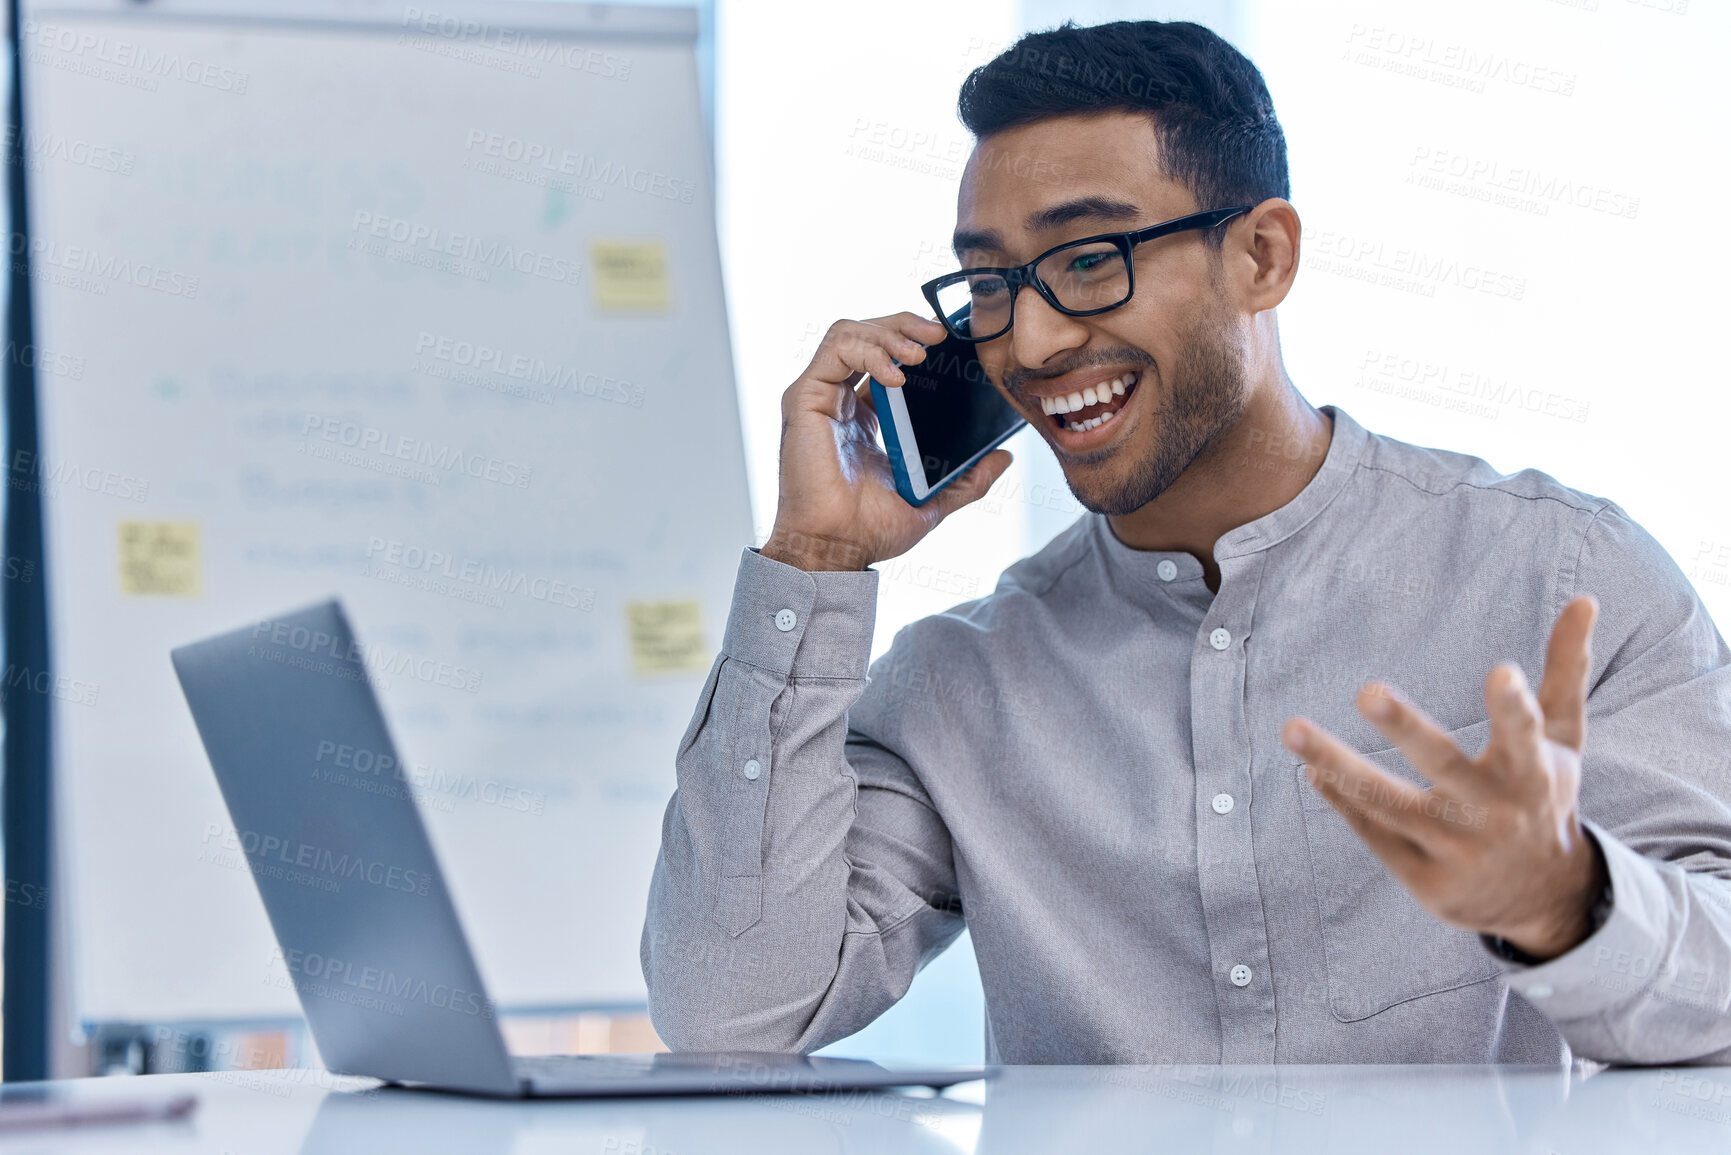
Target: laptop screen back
x,y
331,835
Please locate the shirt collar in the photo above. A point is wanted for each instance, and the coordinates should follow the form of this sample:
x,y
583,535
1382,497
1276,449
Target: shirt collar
x,y
1345,450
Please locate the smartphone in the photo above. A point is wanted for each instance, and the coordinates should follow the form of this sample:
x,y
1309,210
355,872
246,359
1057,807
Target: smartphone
x,y
945,418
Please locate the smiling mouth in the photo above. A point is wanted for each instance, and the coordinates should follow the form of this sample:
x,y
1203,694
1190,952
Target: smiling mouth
x,y
1092,407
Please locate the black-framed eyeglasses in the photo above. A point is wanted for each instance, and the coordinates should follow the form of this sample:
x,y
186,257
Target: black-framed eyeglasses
x,y
1081,278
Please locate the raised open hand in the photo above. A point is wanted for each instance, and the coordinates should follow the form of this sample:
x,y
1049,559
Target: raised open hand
x,y
1496,844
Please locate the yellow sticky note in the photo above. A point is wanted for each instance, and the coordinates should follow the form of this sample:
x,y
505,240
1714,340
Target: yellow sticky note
x,y
667,637
630,275
160,557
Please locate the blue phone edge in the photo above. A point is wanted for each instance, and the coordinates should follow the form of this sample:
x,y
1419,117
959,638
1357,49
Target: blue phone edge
x,y
898,466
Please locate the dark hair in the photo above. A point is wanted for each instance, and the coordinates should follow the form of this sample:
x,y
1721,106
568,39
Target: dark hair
x,y
1211,110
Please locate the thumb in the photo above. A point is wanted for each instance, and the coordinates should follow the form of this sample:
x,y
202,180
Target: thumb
x,y
972,485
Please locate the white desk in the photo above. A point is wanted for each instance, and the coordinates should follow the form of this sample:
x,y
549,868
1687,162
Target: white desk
x,y
1034,1110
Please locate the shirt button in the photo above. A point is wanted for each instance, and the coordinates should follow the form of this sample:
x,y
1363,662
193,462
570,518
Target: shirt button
x,y
1167,570
1240,975
785,620
753,768
1222,804
1220,638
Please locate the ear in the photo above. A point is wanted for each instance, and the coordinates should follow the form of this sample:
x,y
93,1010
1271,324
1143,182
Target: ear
x,y
1261,254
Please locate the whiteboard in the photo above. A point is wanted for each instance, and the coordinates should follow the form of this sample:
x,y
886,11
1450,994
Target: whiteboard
x,y
418,308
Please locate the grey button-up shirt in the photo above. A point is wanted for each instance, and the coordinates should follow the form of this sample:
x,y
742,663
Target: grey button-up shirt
x,y
1086,768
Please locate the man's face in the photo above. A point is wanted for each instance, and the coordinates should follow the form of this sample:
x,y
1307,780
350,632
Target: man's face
x,y
1176,349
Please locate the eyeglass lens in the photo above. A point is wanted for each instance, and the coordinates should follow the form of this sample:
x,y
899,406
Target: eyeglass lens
x,y
1082,277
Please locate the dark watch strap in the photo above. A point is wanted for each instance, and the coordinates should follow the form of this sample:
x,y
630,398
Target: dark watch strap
x,y
1597,917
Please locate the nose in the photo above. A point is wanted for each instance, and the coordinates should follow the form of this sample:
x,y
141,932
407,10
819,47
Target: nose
x,y
1040,332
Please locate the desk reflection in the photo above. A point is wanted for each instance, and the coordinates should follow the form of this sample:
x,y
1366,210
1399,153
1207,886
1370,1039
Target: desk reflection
x,y
1225,1110
363,1123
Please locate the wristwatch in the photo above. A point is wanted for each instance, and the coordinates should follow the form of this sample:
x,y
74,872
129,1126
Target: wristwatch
x,y
1597,916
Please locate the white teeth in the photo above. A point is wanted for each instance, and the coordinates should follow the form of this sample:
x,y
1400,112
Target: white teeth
x,y
1092,395
1091,423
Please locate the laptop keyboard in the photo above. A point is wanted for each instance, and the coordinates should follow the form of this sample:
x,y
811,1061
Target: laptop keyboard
x,y
555,1068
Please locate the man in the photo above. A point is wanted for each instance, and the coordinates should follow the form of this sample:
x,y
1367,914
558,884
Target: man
x,y
1173,773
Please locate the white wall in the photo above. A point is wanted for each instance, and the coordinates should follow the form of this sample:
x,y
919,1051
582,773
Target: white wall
x,y
1539,169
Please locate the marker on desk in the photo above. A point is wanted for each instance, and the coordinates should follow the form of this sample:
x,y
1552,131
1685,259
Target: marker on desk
x,y
27,1110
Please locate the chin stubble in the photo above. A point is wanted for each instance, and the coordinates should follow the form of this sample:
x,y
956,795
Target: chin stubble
x,y
1206,398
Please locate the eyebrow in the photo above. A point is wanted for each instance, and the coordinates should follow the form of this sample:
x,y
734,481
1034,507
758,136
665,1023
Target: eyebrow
x,y
1082,208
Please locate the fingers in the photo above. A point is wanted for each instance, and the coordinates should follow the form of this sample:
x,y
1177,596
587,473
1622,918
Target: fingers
x,y
1431,751
1517,728
872,347
1379,808
1344,777
972,485
1568,668
1398,853
852,349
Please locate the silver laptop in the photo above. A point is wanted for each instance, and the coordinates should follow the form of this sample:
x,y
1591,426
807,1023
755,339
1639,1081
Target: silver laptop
x,y
359,906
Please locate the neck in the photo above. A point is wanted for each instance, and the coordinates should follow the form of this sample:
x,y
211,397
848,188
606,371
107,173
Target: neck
x,y
1256,465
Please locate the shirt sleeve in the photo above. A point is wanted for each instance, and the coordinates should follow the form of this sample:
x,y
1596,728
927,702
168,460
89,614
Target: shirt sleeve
x,y
796,893
1653,983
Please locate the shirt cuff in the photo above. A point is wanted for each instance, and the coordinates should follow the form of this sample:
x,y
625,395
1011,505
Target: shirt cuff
x,y
798,624
1586,981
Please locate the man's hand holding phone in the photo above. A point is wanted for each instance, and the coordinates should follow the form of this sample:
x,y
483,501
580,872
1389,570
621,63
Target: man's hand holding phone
x,y
839,509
